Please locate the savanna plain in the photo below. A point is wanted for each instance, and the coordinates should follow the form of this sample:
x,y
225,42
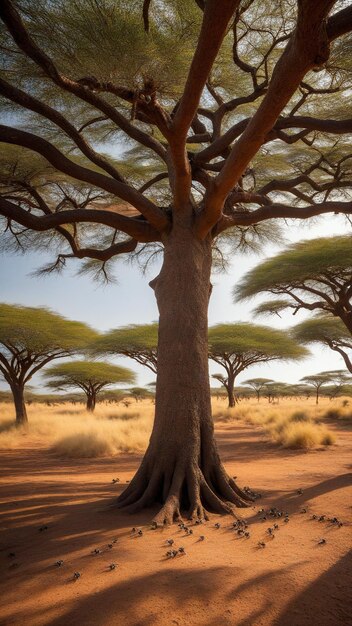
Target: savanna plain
x,y
59,479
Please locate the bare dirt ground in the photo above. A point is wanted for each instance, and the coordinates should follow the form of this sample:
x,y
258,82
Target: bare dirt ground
x,y
223,580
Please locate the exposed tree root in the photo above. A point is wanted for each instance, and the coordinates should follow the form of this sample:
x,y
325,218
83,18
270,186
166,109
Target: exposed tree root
x,y
182,486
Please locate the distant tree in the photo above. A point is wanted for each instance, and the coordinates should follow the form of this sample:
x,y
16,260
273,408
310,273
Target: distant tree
x,y
275,390
90,376
317,381
137,341
112,395
30,338
327,331
238,346
258,384
313,275
139,393
341,383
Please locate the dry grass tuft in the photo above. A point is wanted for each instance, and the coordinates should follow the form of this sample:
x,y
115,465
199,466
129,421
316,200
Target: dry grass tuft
x,y
83,446
301,435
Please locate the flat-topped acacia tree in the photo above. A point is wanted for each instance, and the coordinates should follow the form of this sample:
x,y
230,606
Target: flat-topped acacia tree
x,y
313,275
326,331
136,341
317,381
224,108
30,338
89,376
238,346
258,384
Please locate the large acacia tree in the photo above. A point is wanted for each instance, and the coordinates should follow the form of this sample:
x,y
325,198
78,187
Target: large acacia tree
x,y
313,275
30,338
235,115
136,341
89,376
329,332
238,346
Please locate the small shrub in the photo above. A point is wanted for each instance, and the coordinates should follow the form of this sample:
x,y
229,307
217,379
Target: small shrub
x,y
302,435
83,445
333,414
327,437
299,416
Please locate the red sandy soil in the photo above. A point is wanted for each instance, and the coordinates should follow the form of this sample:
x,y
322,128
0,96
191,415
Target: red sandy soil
x,y
223,580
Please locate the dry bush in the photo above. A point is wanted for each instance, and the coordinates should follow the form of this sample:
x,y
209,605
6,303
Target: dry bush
x,y
301,435
83,445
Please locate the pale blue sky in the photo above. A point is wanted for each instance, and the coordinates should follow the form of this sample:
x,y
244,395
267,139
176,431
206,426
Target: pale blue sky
x,y
132,301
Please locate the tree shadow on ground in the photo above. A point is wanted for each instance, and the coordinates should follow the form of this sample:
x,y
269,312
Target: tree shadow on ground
x,y
325,602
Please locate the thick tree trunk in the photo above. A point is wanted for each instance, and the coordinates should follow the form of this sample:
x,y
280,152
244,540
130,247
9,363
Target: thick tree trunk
x,y
230,391
18,398
91,399
181,468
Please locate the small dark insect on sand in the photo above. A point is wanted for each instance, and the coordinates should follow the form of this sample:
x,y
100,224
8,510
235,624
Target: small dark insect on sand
x,y
217,525
77,575
59,563
170,542
321,542
182,550
261,544
112,566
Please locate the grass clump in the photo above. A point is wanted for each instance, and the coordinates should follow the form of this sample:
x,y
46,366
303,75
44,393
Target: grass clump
x,y
83,446
303,435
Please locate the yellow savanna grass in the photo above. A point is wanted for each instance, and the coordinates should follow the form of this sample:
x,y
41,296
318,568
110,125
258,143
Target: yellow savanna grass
x,y
290,423
69,430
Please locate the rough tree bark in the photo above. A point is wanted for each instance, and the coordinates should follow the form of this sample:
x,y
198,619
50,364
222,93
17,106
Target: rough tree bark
x,y
230,390
181,468
91,400
18,397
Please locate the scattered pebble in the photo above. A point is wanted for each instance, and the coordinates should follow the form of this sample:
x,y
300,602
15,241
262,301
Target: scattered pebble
x,y
77,575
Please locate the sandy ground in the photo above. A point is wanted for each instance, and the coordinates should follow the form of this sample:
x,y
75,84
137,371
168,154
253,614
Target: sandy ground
x,y
223,580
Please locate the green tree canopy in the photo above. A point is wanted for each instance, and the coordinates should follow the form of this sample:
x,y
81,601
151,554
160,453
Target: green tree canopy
x,y
315,275
237,346
30,338
90,376
327,331
258,384
136,341
317,381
